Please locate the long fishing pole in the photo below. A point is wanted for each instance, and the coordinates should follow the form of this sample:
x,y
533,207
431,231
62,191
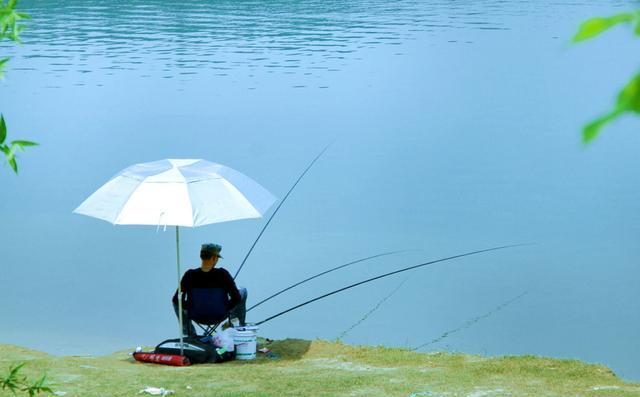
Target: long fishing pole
x,y
278,207
320,274
386,275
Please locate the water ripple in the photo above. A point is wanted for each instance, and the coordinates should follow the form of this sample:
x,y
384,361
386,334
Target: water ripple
x,y
189,36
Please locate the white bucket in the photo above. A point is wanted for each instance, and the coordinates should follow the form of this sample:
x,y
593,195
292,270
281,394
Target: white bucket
x,y
246,341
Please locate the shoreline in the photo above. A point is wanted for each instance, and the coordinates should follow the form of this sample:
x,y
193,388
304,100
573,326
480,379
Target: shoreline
x,y
318,367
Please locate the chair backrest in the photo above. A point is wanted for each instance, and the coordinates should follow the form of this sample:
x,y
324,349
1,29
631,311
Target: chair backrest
x,y
208,305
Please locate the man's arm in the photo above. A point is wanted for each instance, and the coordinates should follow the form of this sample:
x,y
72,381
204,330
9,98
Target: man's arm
x,y
232,290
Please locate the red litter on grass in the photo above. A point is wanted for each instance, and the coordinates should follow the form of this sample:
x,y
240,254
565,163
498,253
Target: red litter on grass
x,y
166,359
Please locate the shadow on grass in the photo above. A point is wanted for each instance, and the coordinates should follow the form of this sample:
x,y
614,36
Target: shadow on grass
x,y
288,349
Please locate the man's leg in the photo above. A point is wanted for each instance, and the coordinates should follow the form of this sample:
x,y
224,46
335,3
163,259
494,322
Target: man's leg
x,y
240,311
187,326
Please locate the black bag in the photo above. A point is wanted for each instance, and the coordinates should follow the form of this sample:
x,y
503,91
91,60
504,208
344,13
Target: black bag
x,y
196,351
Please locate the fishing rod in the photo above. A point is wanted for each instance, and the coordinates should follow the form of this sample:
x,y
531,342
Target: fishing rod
x,y
323,273
386,275
278,207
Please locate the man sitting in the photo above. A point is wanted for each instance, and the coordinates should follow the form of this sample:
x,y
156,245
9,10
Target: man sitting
x,y
208,276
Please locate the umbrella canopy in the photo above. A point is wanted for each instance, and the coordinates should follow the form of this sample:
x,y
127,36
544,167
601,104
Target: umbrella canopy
x,y
178,193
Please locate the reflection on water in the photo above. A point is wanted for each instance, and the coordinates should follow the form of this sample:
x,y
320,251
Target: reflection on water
x,y
189,37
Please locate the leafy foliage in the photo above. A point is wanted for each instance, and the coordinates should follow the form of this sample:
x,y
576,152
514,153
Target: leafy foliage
x,y
10,28
10,149
10,20
628,100
15,382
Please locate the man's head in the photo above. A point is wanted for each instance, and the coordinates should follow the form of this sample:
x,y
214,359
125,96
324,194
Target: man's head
x,y
208,251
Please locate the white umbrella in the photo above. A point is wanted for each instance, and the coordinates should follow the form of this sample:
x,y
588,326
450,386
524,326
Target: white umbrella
x,y
182,192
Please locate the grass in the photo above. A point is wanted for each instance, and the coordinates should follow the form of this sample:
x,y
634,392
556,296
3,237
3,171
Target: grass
x,y
321,368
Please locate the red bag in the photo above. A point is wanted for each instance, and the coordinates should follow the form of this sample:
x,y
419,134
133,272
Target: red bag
x,y
166,359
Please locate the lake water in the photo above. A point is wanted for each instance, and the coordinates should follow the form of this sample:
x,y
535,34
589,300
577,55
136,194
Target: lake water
x,y
456,127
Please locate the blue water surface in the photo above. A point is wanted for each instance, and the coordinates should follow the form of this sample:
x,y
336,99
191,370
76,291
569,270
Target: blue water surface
x,y
456,127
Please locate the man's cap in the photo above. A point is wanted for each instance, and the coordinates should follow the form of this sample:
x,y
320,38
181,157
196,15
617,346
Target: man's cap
x,y
213,249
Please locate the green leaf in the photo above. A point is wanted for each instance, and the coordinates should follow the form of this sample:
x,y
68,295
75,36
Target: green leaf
x,y
628,101
3,129
629,96
13,164
15,148
39,386
591,130
3,62
15,369
24,143
11,154
594,26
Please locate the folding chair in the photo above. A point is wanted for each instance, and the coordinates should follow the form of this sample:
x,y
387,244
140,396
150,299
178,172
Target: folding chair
x,y
208,308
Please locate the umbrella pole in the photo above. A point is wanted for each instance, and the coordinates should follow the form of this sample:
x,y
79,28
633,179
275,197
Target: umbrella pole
x,y
179,287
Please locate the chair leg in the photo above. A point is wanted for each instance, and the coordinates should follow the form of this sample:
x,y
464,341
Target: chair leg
x,y
210,330
204,330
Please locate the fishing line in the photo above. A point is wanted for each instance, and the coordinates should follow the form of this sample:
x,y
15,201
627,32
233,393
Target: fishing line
x,y
386,275
323,273
470,322
278,207
376,307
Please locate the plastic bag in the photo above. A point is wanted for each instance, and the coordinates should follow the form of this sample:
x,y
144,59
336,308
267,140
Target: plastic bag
x,y
224,339
156,391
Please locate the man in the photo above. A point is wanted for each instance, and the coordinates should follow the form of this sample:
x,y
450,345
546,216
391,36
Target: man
x,y
208,276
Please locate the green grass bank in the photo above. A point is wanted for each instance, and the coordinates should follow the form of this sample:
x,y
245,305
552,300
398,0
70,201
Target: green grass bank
x,y
321,368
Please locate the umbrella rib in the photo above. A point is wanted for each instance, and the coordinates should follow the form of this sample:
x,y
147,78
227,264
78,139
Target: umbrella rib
x,y
204,179
130,177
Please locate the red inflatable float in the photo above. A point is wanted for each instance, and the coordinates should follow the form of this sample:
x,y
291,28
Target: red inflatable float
x,y
166,359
